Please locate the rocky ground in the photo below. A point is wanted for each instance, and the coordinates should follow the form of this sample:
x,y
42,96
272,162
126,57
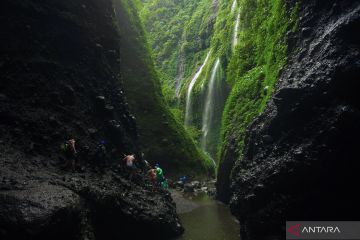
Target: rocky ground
x,y
183,193
301,159
41,201
195,186
60,79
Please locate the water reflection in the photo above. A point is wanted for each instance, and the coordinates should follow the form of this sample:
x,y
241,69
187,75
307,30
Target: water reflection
x,y
210,220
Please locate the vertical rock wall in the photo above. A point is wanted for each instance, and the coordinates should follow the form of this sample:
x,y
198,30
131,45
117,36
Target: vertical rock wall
x,y
301,158
60,79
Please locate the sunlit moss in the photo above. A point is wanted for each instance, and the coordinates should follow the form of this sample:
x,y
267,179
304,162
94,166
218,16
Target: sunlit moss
x,y
255,66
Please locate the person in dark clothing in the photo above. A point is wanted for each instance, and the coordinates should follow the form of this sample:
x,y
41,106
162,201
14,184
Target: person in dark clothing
x,y
69,148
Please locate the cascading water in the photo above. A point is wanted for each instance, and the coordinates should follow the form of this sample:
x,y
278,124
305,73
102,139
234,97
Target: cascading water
x,y
233,7
188,110
236,31
209,104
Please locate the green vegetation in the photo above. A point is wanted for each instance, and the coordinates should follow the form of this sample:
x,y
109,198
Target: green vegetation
x,y
178,31
188,29
255,66
163,138
221,41
220,47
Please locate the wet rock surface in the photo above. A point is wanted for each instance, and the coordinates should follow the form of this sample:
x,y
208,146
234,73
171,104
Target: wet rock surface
x,y
60,80
207,187
301,158
40,202
223,191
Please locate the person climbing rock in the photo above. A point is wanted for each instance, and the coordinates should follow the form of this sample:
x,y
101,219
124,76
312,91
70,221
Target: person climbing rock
x,y
129,160
152,175
69,149
183,179
161,181
130,164
165,184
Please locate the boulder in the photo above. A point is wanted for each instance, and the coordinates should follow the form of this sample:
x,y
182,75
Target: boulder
x,y
39,212
179,184
196,184
189,188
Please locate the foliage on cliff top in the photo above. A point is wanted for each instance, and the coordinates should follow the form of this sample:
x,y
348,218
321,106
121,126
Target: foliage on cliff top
x,y
221,44
163,139
178,31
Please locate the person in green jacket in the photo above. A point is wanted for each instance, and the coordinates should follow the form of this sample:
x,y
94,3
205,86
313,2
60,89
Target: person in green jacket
x,y
161,180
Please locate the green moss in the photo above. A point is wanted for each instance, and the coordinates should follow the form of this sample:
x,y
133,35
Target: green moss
x,y
187,27
255,66
163,138
220,47
252,68
176,29
221,42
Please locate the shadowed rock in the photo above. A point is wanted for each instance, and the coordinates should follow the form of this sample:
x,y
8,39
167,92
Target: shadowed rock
x,y
308,168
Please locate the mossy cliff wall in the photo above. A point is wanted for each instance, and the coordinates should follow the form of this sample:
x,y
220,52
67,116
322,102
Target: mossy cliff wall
x,y
163,139
301,157
252,72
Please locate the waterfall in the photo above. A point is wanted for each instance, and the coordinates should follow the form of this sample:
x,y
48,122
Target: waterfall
x,y
236,31
188,110
233,6
209,104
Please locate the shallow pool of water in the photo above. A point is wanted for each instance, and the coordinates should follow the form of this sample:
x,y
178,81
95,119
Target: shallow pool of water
x,y
205,219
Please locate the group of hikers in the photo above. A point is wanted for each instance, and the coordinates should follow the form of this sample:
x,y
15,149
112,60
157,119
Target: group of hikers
x,y
157,177
155,173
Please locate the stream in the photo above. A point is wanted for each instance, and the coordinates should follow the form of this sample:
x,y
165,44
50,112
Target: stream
x,y
204,218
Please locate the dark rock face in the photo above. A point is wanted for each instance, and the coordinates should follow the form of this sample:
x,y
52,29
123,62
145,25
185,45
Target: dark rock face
x,y
46,203
301,159
223,191
59,68
39,211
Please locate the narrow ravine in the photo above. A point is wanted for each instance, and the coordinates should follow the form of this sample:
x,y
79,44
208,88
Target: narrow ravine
x,y
179,120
